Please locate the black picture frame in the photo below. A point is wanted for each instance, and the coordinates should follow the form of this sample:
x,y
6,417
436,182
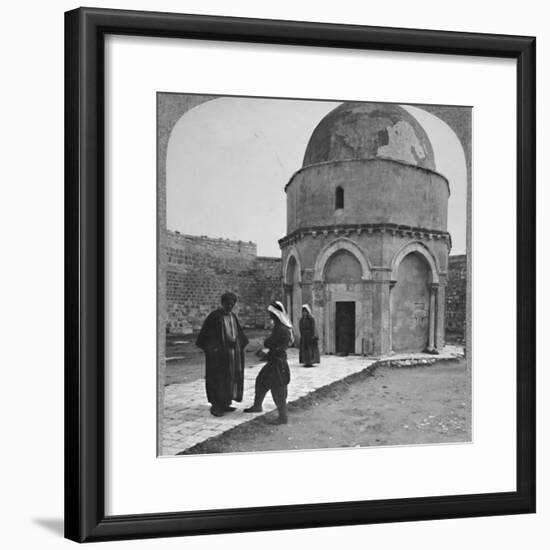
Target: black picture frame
x,y
85,29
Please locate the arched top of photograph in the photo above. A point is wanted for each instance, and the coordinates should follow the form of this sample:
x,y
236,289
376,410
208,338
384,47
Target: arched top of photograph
x,y
227,149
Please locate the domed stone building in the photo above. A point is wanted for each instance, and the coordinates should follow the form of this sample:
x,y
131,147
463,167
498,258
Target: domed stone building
x,y
367,243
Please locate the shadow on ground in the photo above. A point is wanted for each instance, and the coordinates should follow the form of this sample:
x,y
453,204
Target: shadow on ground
x,y
54,525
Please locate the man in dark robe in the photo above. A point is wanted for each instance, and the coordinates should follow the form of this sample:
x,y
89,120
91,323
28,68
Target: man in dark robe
x,y
223,341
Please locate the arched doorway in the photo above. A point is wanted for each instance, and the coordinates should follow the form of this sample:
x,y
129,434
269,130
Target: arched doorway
x,y
410,304
344,289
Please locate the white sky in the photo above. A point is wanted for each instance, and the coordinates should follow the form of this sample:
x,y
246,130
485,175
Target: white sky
x,y
229,159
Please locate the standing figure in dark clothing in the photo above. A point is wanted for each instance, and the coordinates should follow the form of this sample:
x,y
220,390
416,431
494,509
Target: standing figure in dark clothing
x,y
309,339
275,374
223,341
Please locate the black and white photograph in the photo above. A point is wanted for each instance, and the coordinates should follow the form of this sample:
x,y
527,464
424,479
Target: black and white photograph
x,y
273,275
313,274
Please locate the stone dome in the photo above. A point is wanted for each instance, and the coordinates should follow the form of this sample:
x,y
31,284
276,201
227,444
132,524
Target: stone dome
x,y
356,131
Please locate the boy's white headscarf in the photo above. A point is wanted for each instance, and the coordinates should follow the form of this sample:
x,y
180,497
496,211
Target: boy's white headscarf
x,y
278,310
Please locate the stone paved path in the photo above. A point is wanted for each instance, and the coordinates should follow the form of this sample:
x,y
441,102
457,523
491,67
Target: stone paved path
x,y
187,418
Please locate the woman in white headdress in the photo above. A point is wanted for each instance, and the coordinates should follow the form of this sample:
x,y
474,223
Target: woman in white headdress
x,y
309,340
275,374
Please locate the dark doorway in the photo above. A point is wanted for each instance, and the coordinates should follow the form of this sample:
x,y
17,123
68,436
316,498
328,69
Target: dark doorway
x,y
345,328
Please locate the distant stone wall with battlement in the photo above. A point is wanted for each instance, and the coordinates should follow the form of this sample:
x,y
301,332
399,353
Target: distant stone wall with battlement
x,y
200,269
456,296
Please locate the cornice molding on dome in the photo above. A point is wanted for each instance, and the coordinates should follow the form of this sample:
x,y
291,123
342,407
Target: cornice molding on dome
x,y
377,159
349,230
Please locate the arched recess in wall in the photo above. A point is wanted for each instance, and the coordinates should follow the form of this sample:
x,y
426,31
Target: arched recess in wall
x,y
292,255
343,267
413,308
292,277
421,249
333,247
410,304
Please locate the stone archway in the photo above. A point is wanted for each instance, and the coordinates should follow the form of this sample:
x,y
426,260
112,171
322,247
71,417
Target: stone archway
x,y
170,108
341,272
421,249
292,276
343,277
341,244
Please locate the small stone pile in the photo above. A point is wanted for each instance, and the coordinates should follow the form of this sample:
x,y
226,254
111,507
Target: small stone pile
x,y
402,363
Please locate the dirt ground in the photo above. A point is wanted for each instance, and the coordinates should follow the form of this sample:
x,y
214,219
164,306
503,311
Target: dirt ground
x,y
185,361
393,406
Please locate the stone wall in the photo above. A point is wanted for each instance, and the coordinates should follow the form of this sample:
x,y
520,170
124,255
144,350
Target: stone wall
x,y
456,296
201,269
267,286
